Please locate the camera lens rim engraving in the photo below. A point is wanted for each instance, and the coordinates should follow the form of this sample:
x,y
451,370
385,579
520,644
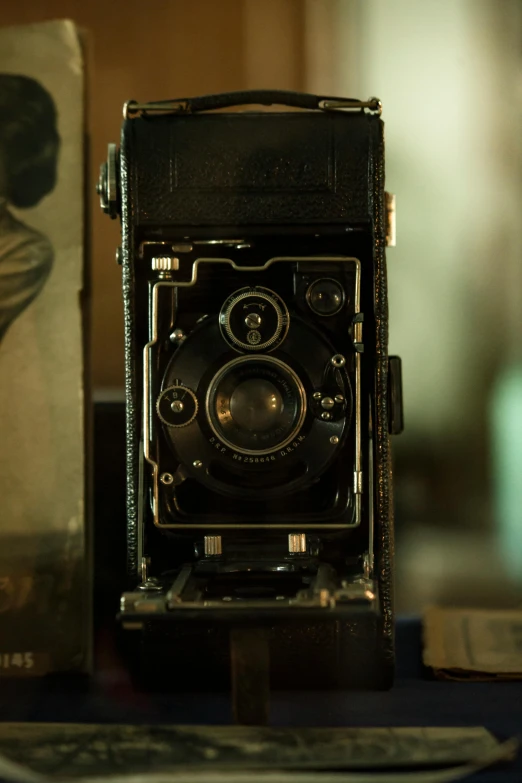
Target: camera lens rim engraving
x,y
314,284
301,402
280,310
192,398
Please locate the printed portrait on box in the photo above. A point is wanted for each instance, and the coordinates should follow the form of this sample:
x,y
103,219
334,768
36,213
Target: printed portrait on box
x,y
29,149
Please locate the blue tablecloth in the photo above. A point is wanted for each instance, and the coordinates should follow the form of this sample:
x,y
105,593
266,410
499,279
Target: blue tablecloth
x,y
416,700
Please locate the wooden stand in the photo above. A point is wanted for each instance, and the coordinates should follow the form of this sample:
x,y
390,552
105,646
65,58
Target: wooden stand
x,y
250,670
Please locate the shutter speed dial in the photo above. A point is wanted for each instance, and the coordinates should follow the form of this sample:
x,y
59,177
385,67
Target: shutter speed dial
x,y
177,406
254,319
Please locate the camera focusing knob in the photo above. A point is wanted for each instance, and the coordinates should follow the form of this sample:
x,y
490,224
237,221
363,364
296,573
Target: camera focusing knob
x,y
107,186
177,406
254,319
164,264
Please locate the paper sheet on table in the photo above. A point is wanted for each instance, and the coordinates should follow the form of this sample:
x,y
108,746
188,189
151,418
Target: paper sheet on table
x,y
474,644
83,753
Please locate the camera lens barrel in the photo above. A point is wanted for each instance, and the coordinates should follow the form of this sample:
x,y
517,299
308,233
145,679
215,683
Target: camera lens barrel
x,y
256,404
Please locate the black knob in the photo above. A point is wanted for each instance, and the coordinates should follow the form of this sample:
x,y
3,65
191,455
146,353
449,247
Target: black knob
x,y
177,406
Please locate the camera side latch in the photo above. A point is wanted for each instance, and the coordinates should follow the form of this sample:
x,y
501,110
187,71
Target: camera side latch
x,y
357,326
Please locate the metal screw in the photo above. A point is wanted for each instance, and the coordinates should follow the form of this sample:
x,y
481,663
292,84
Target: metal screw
x,y
177,336
177,406
326,416
166,478
150,584
338,360
334,440
317,395
147,582
253,321
327,403
197,463
339,398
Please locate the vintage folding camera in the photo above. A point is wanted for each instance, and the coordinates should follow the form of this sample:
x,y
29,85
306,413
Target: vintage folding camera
x,y
260,395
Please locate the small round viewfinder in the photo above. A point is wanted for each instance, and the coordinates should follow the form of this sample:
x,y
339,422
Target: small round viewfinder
x,y
325,296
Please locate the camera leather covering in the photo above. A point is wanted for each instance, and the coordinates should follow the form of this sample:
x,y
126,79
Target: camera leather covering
x,y
251,169
249,173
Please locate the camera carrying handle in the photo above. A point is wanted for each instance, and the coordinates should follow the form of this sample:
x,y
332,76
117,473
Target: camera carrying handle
x,y
298,100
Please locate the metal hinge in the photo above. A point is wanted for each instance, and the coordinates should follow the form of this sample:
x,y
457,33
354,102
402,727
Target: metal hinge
x,y
391,238
135,108
373,105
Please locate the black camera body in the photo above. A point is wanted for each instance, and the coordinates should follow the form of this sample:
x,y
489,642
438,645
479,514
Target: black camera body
x,y
260,395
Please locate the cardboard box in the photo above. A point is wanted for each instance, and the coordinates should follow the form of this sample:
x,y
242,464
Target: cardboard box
x,y
45,613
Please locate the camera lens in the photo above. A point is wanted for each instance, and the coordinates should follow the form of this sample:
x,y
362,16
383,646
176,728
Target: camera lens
x,y
325,296
256,405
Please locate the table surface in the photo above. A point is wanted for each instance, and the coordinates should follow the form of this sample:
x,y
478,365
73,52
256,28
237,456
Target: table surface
x,y
415,700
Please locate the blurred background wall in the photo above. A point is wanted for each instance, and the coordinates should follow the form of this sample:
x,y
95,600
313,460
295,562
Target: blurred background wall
x,y
450,78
